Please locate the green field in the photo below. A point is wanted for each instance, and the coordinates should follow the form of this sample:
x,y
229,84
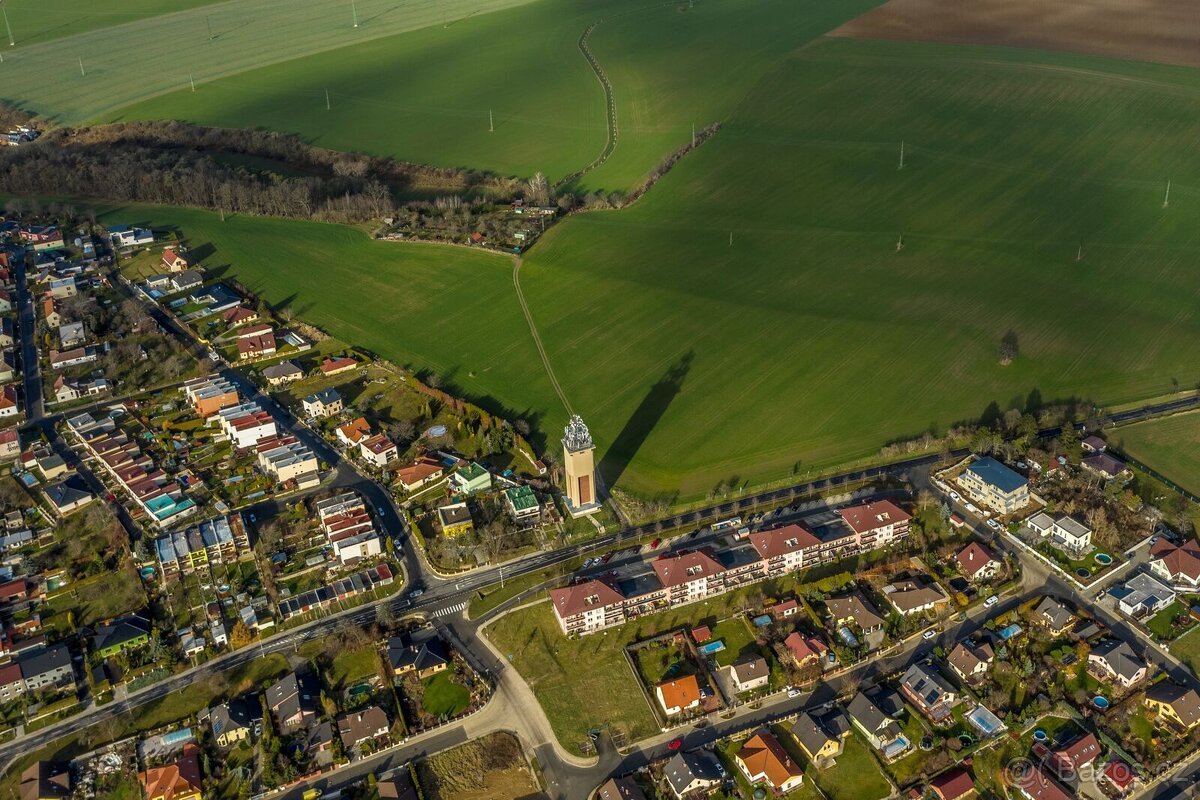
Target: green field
x,y
445,698
1168,446
671,68
157,54
36,21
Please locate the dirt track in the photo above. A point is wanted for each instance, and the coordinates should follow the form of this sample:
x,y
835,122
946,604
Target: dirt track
x,y
1166,31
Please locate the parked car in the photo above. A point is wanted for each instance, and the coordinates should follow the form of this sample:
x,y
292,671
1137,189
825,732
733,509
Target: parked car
x,y
654,545
606,558
954,495
794,691
674,744
991,601
991,523
929,634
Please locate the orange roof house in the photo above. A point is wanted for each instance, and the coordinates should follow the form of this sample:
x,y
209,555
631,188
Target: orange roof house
x,y
177,781
762,758
679,695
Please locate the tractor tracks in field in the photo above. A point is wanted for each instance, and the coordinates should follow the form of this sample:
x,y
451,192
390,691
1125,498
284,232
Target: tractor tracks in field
x,y
610,110
537,337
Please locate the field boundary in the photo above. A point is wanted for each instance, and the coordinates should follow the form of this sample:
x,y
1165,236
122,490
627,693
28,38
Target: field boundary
x,y
537,338
610,109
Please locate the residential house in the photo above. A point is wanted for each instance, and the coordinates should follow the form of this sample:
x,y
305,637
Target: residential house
x,y
336,366
362,725
239,315
914,596
187,280
45,780
1105,465
1142,596
1178,565
616,789
43,237
1118,779
292,704
126,633
379,450
210,395
1038,784
174,261
763,759
977,562
854,609
1072,536
693,775
10,443
995,486
48,666
246,425
71,335
522,503
679,695
322,404
8,332
220,540
282,373
12,683
348,527
880,729
1070,758
178,780
455,519
1093,444
805,650
232,722
750,673
353,432
251,346
822,737
422,472
1114,660
400,787
5,301
72,358
1178,704
971,660
123,236
8,365
421,652
785,608
8,401
925,689
62,288
470,479
953,784
286,458
1054,616
50,313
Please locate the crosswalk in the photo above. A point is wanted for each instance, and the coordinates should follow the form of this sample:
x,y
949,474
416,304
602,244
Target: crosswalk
x,y
449,610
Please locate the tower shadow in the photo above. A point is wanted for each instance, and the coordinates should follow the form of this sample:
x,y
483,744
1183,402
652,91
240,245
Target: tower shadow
x,y
644,419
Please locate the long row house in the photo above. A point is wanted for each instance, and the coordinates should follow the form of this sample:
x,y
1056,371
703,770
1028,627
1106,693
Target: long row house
x,y
689,576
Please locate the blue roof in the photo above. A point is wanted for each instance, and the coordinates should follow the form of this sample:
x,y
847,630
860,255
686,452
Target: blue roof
x,y
996,474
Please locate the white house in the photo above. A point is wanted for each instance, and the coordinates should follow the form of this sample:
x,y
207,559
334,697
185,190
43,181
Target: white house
x,y
1142,596
1065,533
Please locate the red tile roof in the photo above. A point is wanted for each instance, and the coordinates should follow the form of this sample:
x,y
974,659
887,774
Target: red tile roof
x,y
571,600
780,541
1179,560
804,647
953,784
331,365
870,516
676,570
1038,785
680,693
1083,750
1119,774
973,558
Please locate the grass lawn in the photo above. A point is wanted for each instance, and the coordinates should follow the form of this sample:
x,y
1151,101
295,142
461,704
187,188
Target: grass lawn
x,y
1161,623
905,770
99,597
856,775
444,697
1187,650
738,639
658,664
1167,445
606,693
351,666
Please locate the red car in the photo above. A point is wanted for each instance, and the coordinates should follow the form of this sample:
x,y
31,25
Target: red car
x,y
655,544
674,744
607,556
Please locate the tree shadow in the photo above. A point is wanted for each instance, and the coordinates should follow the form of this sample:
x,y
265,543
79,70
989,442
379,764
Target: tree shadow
x,y
644,419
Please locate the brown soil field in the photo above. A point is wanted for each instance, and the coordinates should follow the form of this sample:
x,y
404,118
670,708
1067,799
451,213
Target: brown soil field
x,y
1165,31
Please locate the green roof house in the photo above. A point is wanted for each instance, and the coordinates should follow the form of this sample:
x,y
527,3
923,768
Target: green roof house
x,y
119,635
522,502
470,479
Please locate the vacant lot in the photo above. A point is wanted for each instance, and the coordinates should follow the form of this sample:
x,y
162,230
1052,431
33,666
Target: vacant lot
x,y
490,767
1170,446
1143,30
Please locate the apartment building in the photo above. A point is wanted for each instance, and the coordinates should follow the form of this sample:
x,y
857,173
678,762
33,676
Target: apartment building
x,y
210,395
286,458
348,528
246,424
220,540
